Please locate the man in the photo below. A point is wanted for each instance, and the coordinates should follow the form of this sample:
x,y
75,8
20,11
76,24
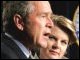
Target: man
x,y
27,25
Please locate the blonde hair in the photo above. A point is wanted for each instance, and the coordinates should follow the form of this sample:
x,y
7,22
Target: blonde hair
x,y
67,26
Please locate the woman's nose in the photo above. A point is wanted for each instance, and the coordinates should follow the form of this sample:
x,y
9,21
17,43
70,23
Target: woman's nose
x,y
56,45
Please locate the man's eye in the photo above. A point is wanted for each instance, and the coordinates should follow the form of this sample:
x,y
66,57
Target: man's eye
x,y
43,16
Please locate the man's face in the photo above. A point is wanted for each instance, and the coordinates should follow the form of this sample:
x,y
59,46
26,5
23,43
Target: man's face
x,y
57,45
40,23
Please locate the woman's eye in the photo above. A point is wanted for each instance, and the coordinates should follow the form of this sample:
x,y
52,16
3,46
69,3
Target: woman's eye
x,y
52,37
64,42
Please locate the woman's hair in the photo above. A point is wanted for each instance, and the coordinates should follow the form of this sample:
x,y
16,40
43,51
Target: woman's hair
x,y
67,26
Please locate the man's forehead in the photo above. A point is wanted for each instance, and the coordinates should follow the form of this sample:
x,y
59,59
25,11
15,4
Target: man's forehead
x,y
43,7
46,13
41,3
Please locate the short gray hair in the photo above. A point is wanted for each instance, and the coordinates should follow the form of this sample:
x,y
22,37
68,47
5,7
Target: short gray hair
x,y
10,8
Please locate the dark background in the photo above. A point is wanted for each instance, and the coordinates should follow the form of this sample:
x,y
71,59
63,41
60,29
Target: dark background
x,y
65,8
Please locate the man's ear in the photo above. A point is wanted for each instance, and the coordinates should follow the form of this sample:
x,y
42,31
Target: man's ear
x,y
18,22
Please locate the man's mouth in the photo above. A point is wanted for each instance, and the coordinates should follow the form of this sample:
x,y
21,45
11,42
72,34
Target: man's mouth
x,y
46,35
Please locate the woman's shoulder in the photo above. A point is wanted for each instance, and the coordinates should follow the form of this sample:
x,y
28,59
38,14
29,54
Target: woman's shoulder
x,y
64,57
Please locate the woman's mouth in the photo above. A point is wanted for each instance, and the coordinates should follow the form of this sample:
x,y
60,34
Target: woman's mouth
x,y
54,52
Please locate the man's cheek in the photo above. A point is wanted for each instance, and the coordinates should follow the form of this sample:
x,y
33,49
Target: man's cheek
x,y
42,42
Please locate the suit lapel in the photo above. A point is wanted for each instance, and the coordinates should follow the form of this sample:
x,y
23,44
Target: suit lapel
x,y
13,46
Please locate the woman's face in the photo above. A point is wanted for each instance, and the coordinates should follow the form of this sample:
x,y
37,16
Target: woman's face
x,y
57,45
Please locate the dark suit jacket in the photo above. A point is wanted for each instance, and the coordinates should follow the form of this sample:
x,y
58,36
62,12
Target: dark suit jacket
x,y
9,49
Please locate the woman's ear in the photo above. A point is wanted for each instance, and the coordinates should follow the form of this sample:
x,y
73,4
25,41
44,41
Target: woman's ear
x,y
18,22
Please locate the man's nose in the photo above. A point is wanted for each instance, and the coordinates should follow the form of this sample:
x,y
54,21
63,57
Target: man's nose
x,y
50,23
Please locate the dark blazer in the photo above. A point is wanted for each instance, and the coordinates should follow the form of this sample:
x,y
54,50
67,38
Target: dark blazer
x,y
9,49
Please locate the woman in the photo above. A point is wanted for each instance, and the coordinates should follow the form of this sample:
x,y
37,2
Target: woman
x,y
63,35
